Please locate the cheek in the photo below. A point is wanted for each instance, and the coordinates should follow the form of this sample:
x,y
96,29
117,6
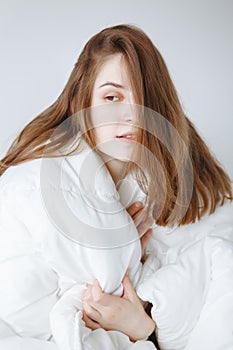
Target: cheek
x,y
104,133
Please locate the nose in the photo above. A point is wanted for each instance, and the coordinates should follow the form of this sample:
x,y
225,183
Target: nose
x,y
129,112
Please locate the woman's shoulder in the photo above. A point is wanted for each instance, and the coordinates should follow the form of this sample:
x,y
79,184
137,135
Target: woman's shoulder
x,y
56,172
66,172
25,175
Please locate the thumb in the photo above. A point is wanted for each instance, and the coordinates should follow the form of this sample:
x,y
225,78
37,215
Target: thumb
x,y
96,291
129,292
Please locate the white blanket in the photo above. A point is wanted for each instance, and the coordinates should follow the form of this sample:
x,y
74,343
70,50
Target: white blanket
x,y
19,343
188,275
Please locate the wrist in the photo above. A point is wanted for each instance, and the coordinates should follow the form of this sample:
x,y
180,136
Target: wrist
x,y
144,331
149,327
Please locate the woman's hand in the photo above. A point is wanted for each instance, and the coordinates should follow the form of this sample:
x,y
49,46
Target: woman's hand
x,y
125,314
137,212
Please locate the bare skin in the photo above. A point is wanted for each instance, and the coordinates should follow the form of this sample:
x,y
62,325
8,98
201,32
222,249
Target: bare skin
x,y
126,313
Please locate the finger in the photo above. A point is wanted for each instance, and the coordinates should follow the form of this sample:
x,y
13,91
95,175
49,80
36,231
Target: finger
x,y
145,240
89,323
145,226
96,291
129,292
142,217
106,301
92,292
139,217
100,305
134,208
146,237
91,311
86,294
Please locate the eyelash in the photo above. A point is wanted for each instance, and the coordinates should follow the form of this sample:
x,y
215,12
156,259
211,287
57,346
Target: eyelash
x,y
111,97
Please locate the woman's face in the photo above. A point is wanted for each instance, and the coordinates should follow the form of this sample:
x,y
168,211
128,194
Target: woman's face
x,y
112,110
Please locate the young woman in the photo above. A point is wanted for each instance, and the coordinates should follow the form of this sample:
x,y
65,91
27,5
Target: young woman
x,y
118,124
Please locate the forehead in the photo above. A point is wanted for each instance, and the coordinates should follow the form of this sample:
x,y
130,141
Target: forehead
x,y
114,69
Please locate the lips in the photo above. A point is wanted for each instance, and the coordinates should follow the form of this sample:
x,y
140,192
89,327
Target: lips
x,y
127,136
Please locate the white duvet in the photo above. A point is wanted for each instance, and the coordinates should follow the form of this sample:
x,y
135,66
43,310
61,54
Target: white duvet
x,y
188,275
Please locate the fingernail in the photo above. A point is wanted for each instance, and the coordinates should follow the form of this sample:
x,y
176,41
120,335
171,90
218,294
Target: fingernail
x,y
138,204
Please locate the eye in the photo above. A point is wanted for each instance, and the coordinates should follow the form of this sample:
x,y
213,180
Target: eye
x,y
112,98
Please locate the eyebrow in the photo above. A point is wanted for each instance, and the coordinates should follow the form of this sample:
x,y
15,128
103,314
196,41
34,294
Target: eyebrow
x,y
111,83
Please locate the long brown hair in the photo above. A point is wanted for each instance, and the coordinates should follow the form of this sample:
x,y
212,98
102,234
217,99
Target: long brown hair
x,y
153,88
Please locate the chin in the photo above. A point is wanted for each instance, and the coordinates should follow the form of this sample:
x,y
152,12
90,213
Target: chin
x,y
111,150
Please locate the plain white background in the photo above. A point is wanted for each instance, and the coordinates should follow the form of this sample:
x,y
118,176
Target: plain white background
x,y
40,41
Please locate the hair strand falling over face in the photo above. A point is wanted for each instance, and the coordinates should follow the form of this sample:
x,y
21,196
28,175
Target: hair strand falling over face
x,y
167,166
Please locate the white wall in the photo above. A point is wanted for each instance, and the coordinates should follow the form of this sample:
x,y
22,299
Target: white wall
x,y
40,41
